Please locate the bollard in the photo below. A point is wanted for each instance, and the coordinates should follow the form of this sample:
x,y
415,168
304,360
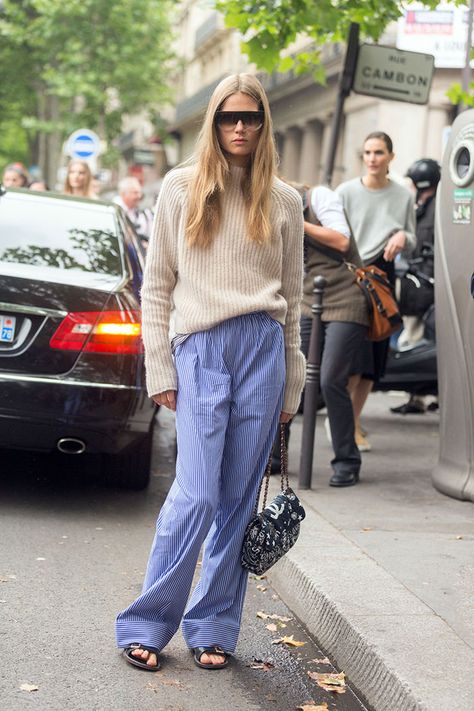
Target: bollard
x,y
311,393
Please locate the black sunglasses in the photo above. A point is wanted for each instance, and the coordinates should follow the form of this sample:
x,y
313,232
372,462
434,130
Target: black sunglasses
x,y
228,120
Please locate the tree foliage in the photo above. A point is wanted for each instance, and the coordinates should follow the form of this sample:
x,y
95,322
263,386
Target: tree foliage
x,y
73,63
269,27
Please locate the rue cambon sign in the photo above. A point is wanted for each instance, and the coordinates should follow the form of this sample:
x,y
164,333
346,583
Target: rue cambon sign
x,y
391,73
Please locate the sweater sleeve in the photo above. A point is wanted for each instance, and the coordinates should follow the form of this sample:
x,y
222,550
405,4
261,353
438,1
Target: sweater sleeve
x,y
291,289
158,284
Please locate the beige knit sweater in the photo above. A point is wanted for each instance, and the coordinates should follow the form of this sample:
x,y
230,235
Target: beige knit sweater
x,y
232,277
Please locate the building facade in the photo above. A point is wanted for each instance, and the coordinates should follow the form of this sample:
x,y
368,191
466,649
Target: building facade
x,y
302,110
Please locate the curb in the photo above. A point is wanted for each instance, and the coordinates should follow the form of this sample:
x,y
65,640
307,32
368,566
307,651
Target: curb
x,y
395,650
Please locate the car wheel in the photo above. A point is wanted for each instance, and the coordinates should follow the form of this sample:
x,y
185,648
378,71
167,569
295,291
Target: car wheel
x,y
130,470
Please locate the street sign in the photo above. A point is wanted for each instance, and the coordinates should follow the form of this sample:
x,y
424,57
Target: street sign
x,y
391,73
83,144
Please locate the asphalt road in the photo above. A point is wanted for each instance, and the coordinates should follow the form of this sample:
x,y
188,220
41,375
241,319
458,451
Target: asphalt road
x,y
73,553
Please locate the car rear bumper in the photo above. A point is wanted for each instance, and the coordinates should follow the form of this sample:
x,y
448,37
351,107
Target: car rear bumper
x,y
36,412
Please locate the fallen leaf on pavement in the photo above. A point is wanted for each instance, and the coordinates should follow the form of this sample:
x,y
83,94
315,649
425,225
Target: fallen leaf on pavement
x,y
260,664
367,528
312,707
330,682
8,579
262,588
272,627
29,687
266,616
320,661
289,641
459,538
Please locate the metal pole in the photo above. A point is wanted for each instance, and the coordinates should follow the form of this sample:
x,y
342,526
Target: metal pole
x,y
466,72
345,86
311,393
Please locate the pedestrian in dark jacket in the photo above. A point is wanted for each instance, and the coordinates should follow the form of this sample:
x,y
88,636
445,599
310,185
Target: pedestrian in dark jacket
x,y
416,296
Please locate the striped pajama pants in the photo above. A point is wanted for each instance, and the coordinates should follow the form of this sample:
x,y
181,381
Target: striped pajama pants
x,y
230,390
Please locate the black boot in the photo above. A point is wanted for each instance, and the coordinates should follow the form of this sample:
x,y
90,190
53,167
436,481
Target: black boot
x,y
346,478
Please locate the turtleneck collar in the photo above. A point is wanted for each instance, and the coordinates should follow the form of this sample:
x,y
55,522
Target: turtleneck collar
x,y
236,173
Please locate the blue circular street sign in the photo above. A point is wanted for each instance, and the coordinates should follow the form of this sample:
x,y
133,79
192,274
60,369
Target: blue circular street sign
x,y
83,143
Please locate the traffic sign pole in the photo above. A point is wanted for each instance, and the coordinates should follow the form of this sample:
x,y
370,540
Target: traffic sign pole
x,y
345,86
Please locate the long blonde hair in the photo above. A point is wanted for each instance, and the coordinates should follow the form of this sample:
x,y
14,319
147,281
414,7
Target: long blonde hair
x,y
212,169
87,190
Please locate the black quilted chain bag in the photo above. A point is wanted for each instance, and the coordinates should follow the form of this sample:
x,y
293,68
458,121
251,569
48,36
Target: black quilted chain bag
x,y
272,532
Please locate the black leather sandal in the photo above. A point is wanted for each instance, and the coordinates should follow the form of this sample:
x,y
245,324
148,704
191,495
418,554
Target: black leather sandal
x,y
199,651
141,663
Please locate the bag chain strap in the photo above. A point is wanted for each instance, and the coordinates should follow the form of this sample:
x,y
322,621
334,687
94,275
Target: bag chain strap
x,y
283,472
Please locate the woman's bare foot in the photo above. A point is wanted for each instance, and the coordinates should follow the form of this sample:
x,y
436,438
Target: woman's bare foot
x,y
212,658
143,656
149,657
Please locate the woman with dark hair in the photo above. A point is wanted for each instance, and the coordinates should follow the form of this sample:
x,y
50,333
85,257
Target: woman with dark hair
x,y
382,216
227,250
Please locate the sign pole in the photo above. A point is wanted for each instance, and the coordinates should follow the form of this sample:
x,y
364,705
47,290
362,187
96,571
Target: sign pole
x,y
345,86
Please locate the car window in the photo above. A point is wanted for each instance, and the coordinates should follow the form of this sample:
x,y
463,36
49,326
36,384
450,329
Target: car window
x,y
59,234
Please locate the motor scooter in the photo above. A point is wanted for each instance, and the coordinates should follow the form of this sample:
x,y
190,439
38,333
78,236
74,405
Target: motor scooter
x,y
413,368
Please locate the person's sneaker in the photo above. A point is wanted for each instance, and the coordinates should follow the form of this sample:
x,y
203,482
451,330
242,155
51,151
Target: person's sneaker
x,y
363,444
327,427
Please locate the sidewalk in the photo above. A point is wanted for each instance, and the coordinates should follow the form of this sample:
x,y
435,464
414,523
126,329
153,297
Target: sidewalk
x,y
383,572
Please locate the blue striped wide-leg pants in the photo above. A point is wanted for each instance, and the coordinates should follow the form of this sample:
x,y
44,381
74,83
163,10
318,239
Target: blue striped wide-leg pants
x,y
230,389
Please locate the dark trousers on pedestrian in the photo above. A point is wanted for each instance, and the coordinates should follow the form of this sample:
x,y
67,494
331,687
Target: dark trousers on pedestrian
x,y
341,342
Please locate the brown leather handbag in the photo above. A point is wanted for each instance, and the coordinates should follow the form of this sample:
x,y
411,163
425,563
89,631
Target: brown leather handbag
x,y
384,314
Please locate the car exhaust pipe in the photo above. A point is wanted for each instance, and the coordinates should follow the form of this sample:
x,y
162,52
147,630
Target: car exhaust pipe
x,y
71,445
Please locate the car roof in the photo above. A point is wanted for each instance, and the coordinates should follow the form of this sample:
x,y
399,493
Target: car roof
x,y
48,195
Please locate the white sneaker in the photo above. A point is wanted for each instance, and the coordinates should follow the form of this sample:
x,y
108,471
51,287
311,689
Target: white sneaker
x,y
327,427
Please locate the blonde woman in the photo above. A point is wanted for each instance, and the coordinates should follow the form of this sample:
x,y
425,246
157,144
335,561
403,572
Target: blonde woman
x,y
79,180
227,249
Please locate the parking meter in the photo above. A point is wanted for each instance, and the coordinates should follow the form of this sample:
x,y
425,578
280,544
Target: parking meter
x,y
454,266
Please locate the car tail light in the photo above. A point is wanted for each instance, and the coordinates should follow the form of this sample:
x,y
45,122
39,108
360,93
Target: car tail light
x,y
99,332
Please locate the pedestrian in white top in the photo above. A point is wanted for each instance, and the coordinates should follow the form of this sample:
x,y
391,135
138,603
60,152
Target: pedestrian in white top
x,y
227,250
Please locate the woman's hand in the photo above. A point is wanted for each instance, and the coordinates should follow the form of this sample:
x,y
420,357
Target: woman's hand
x,y
168,399
395,245
285,417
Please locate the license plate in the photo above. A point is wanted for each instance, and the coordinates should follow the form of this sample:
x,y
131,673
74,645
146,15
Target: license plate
x,y
7,328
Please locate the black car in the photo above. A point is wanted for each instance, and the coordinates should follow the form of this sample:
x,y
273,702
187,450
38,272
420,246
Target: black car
x,y
71,354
